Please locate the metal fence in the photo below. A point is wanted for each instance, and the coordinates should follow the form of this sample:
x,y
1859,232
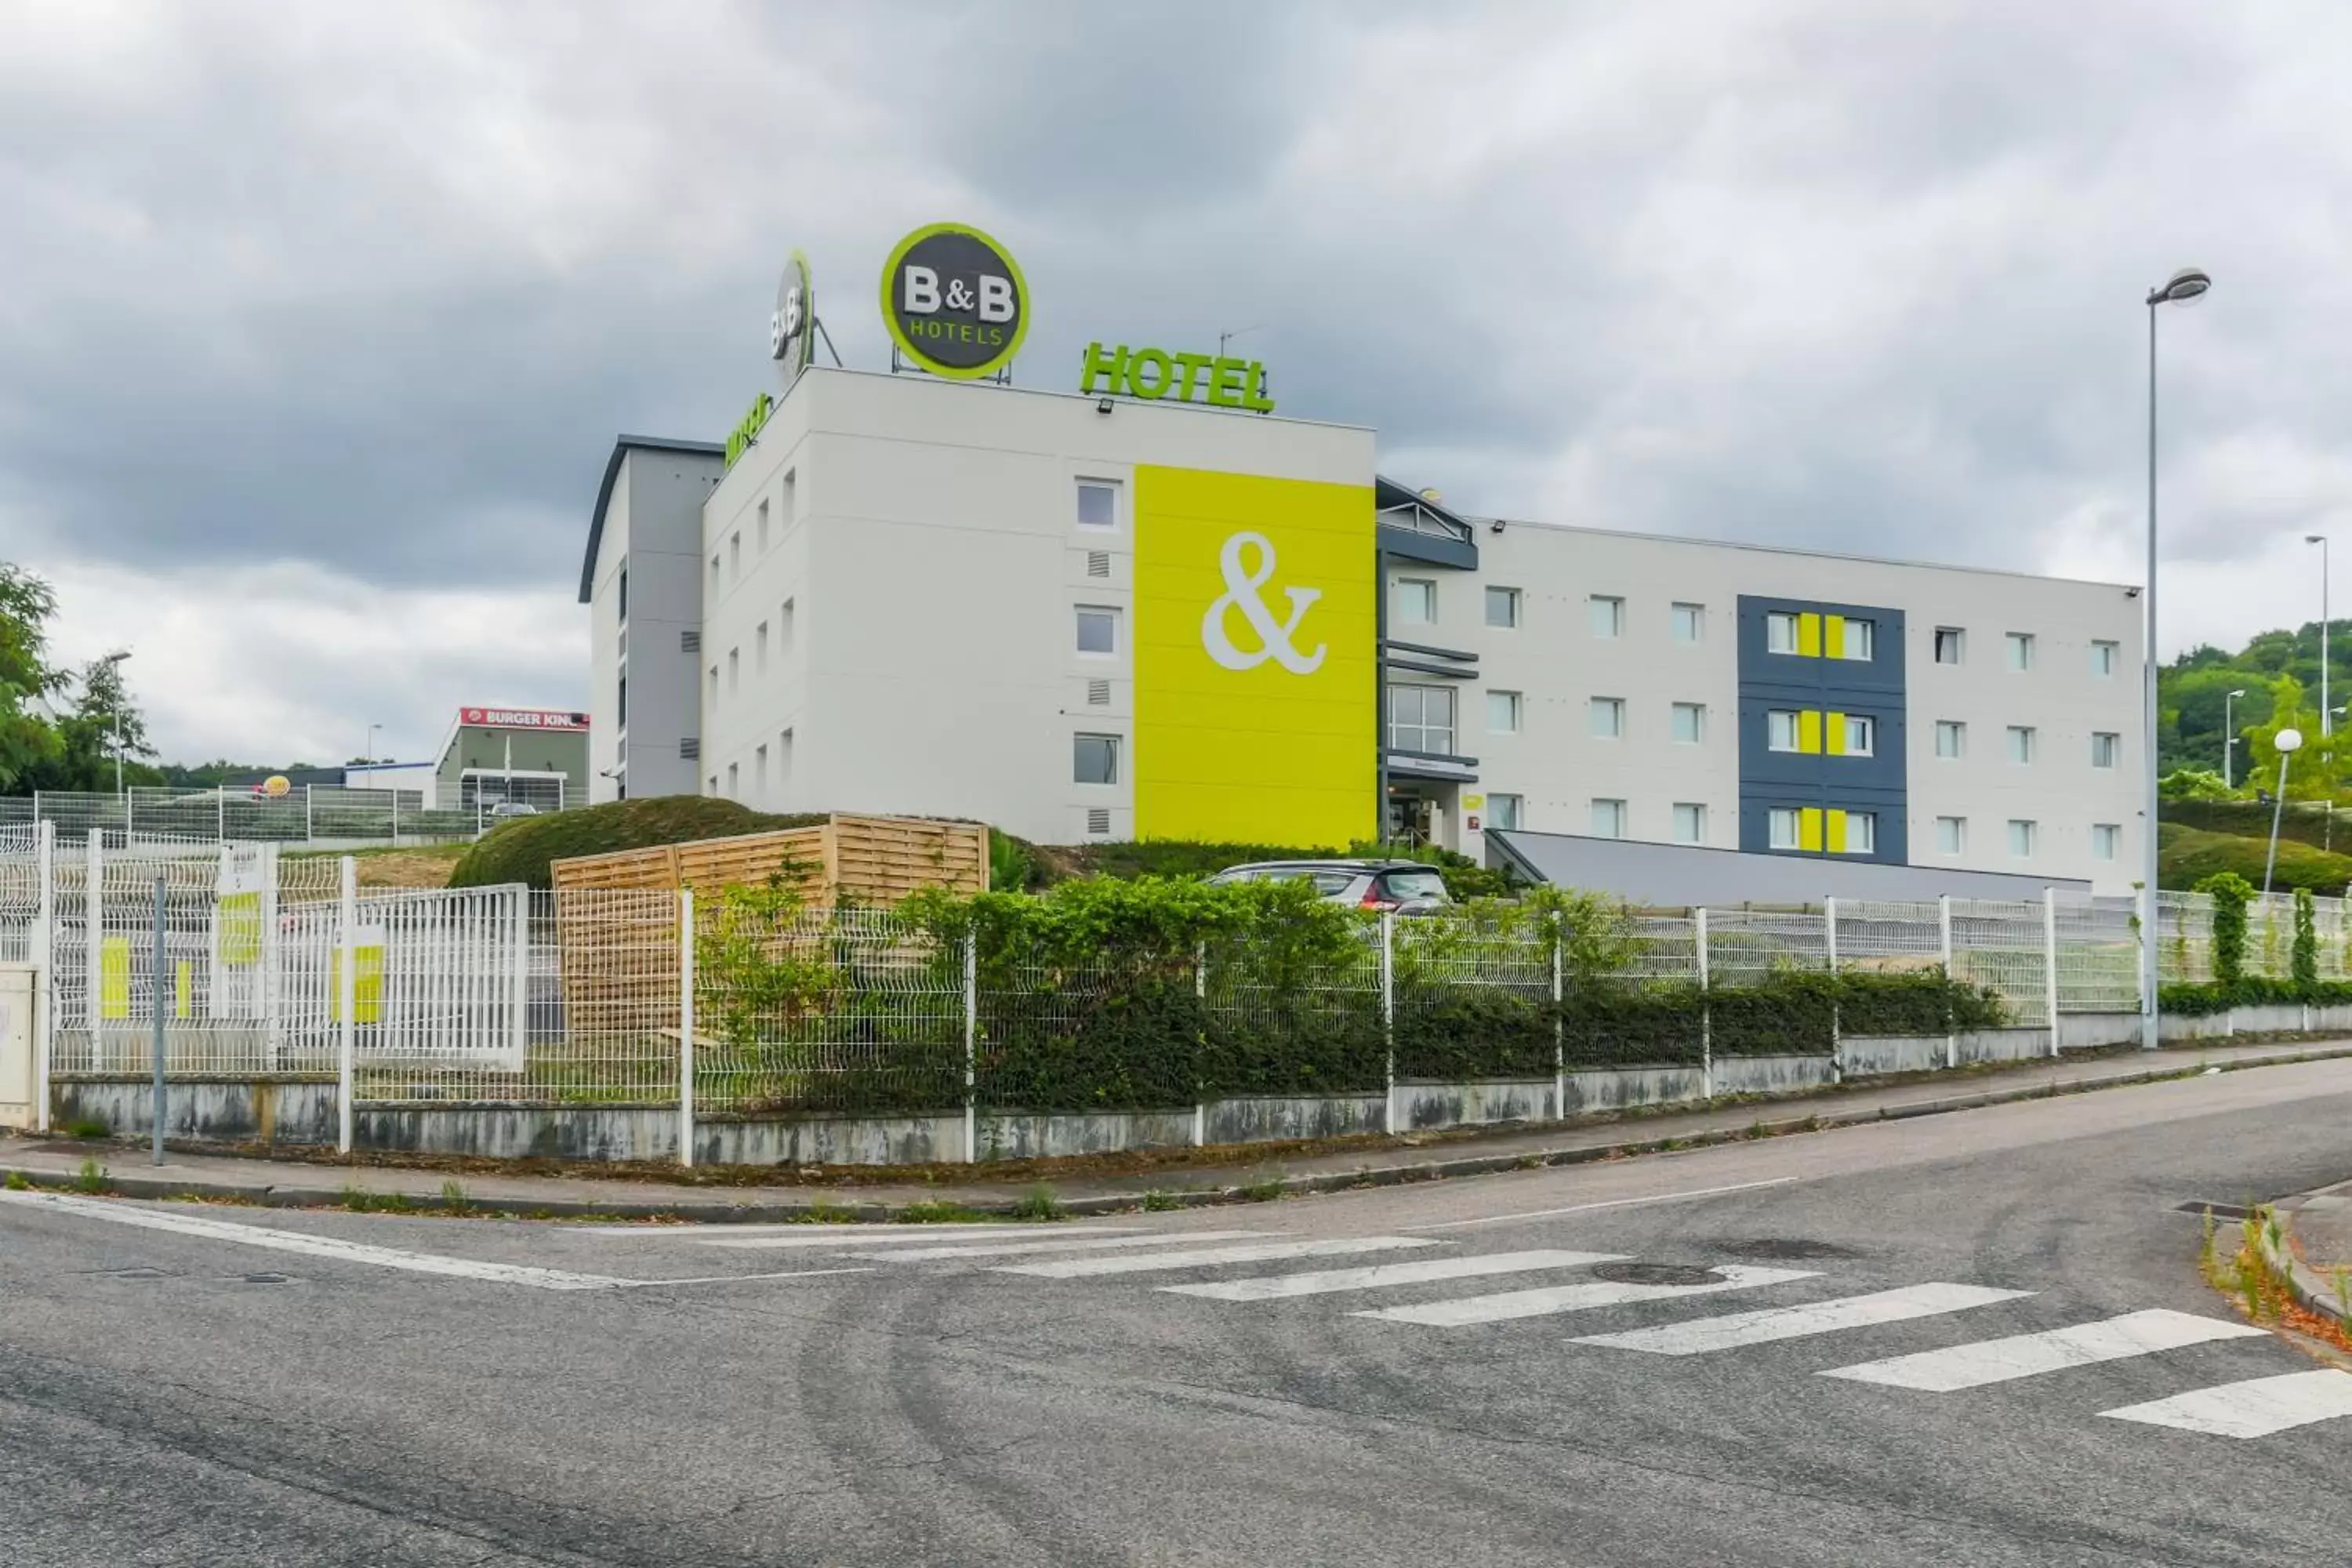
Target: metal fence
x,y
304,813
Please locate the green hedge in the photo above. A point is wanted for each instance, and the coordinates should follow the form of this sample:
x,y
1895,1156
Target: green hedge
x,y
520,850
2187,856
2203,1000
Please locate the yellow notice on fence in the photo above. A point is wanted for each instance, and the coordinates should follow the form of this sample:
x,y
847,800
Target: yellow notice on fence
x,y
367,977
114,977
240,929
184,991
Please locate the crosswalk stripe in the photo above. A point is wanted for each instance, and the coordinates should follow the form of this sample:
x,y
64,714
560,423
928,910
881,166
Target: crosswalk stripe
x,y
1196,1258
1280,1287
1704,1334
2254,1408
2027,1355
1577,1298
1014,1248
708,1230
847,1235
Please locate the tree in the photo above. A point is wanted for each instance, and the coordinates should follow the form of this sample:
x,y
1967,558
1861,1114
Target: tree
x,y
27,679
101,719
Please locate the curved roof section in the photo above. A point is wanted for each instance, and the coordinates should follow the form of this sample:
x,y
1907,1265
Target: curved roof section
x,y
622,446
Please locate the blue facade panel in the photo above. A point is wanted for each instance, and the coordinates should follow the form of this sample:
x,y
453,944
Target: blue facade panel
x,y
1822,684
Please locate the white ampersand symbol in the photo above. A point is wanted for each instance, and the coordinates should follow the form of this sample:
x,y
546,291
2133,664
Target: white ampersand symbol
x,y
1241,593
958,296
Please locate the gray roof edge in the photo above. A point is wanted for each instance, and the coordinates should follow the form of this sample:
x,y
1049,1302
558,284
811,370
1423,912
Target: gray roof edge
x,y
622,446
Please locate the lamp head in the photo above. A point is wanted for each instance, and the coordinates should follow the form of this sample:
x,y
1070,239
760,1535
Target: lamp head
x,y
2287,740
2182,286
2315,539
2240,692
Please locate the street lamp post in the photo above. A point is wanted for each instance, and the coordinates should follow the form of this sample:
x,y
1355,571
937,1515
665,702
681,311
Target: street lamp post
x,y
2228,737
115,661
370,754
2287,743
2184,285
2325,728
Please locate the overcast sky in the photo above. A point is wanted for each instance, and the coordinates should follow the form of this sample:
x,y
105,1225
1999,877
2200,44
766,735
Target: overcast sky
x,y
317,321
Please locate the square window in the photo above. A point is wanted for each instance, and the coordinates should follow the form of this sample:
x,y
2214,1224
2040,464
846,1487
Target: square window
x,y
2104,656
1608,819
1094,759
1860,735
1607,718
1412,602
1951,645
1098,504
1689,723
1951,835
1861,833
1951,738
1503,811
1782,824
1690,823
1859,640
2021,651
1689,623
1502,607
1502,712
2021,835
1421,719
1098,630
2105,839
1781,730
2107,748
1780,632
1608,616
2020,742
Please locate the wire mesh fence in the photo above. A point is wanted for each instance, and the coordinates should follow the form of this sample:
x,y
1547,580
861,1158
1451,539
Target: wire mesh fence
x,y
299,813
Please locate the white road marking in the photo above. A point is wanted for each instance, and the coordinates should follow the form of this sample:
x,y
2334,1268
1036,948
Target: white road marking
x,y
1611,1204
733,1279
1576,1297
2029,1355
1016,1249
708,1230
1281,1287
2252,1409
848,1235
1253,1252
1704,1334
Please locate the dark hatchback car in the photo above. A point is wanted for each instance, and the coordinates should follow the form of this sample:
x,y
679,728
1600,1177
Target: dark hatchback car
x,y
1402,887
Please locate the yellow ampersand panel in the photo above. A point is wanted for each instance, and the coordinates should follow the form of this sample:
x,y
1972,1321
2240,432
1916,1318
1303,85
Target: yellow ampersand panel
x,y
1254,705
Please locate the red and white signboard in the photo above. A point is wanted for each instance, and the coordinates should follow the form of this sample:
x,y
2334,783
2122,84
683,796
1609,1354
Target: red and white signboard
x,y
520,719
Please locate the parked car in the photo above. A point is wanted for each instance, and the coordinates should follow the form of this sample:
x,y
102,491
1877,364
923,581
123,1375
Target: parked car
x,y
513,808
1404,886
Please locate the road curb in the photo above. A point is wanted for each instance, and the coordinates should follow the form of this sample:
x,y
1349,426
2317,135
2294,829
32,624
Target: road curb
x,y
272,1195
2312,1293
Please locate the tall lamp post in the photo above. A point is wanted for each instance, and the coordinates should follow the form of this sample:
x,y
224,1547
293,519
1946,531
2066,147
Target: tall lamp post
x,y
115,661
2228,737
2182,286
2287,743
370,754
2325,728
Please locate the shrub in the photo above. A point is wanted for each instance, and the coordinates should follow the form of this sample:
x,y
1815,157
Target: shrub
x,y
2229,892
2302,962
2185,856
521,850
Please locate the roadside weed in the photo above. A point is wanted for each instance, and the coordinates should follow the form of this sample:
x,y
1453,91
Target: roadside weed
x,y
92,1178
18,1183
1155,1201
1039,1203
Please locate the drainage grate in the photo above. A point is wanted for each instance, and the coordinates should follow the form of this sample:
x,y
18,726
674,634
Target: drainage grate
x,y
2218,1211
1654,1274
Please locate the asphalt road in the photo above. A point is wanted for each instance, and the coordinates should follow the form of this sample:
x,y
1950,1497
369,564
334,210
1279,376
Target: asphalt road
x,y
194,1384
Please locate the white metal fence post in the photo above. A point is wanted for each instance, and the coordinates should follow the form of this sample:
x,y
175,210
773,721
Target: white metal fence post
x,y
1559,1029
971,1047
347,999
686,936
220,814
2152,984
272,976
308,834
520,1023
2050,960
1944,939
1388,1019
1200,995
1829,937
1706,1012
93,925
44,952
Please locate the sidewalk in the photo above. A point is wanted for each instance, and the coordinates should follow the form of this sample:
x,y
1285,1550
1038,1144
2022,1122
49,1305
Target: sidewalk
x,y
1193,1176
2319,1225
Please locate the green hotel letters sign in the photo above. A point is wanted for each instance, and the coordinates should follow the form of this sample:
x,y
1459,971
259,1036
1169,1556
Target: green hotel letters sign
x,y
747,430
1155,373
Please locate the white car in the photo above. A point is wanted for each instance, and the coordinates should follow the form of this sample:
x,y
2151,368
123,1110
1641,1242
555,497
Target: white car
x,y
1403,887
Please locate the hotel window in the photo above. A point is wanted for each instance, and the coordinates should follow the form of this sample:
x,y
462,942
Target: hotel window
x,y
1098,504
784,757
1503,811
622,591
1861,833
1690,823
2107,748
1860,735
792,494
734,781
1098,630
1607,718
2021,651
1951,645
734,670
1608,614
1781,827
1412,602
1951,738
2020,742
735,555
1421,719
1951,835
1094,759
1608,819
763,527
2103,655
1502,607
714,584
1689,623
2021,835
1859,641
714,686
760,649
760,770
1689,723
1502,712
1781,730
784,628
2105,838
1780,632
621,704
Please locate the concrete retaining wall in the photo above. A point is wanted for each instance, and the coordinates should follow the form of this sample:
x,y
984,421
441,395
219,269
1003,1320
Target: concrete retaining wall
x,y
1861,1056
1773,1074
1423,1106
223,1111
1259,1118
2004,1045
2088,1031
1628,1088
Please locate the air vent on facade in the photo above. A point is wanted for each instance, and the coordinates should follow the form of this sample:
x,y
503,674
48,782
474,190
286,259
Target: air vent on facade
x,y
689,642
1097,562
690,749
1099,693
1099,820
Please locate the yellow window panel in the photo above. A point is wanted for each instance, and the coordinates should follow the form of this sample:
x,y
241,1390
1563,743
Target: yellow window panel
x,y
1834,738
1836,832
1833,636
1809,730
1809,829
1808,635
